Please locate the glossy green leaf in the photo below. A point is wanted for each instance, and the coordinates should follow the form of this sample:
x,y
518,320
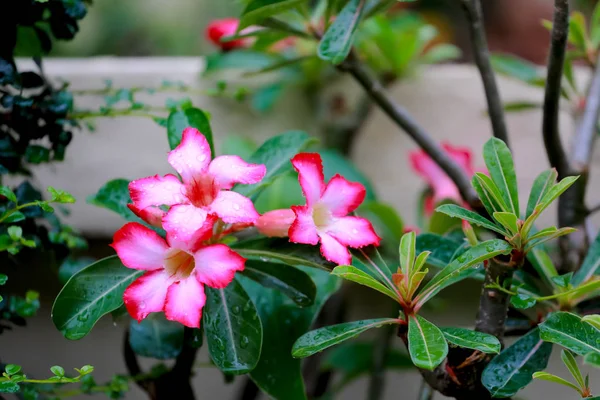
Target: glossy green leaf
x,y
335,162
563,281
547,236
553,194
499,162
570,332
541,186
233,329
545,376
281,250
442,248
569,360
8,193
426,343
590,265
290,281
522,301
275,154
190,117
460,268
508,221
593,319
9,387
156,337
442,223
70,266
91,293
258,10
386,221
279,374
322,338
337,41
592,359
354,274
470,216
472,340
407,253
488,193
15,216
512,369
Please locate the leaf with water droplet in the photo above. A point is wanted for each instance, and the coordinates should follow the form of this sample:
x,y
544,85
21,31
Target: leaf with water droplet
x,y
156,337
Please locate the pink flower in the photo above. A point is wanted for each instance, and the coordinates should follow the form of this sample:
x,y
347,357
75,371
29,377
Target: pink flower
x,y
436,178
275,223
221,28
324,217
204,190
176,271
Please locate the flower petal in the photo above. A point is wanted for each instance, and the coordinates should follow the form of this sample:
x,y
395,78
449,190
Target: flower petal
x,y
334,251
232,207
303,229
157,190
216,265
275,223
185,300
147,294
139,247
185,222
192,156
310,175
152,215
229,170
436,178
342,196
353,231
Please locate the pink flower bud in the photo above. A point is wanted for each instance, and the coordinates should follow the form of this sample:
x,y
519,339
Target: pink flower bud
x,y
469,233
275,223
221,28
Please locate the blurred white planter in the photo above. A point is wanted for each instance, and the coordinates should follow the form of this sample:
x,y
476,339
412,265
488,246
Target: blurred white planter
x,y
447,100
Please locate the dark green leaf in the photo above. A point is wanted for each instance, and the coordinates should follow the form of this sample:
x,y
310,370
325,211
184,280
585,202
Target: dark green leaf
x,y
190,117
3,279
426,343
290,281
541,186
337,41
569,331
591,263
70,266
8,193
354,274
499,162
258,10
470,216
114,196
9,387
265,98
322,338
441,248
522,301
563,281
233,329
386,221
472,340
156,337
91,293
37,154
513,368
13,217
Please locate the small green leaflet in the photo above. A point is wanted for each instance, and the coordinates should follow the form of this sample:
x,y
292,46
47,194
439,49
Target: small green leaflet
x,y
337,41
426,343
472,340
499,162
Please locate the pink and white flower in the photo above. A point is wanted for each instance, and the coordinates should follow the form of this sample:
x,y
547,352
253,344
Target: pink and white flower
x,y
440,183
324,218
205,189
176,271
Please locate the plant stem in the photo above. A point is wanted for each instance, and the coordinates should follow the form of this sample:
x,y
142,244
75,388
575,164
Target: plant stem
x,y
20,207
482,60
425,391
402,118
493,303
556,60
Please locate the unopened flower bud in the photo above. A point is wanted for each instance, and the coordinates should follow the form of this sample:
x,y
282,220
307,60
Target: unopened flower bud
x,y
275,223
469,233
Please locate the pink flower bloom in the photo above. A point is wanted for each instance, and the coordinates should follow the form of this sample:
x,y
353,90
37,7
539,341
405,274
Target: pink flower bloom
x,y
176,272
436,178
204,190
221,28
324,217
275,223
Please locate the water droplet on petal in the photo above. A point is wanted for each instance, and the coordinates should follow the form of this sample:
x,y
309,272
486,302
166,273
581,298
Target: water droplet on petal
x,y
142,305
354,231
236,207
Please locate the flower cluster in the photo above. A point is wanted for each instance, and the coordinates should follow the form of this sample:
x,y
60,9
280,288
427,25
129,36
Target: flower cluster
x,y
199,210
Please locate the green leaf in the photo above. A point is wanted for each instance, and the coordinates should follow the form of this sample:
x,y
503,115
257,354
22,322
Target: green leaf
x,y
407,253
275,154
9,387
3,279
190,117
335,162
512,369
542,263
563,281
472,340
238,145
281,250
37,154
592,359
13,217
426,343
488,193
515,67
552,195
591,263
156,337
386,221
58,370
593,319
15,232
545,376
279,374
440,53
442,249
499,162
12,369
549,234
569,360
233,329
460,268
60,196
337,41
320,339
520,105
522,301
290,281
70,266
470,216
258,10
569,331
441,223
238,59
595,26
541,186
508,221
8,193
354,274
91,293
577,30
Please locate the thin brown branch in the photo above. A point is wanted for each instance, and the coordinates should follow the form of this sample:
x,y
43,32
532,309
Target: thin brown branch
x,y
493,304
556,59
481,55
